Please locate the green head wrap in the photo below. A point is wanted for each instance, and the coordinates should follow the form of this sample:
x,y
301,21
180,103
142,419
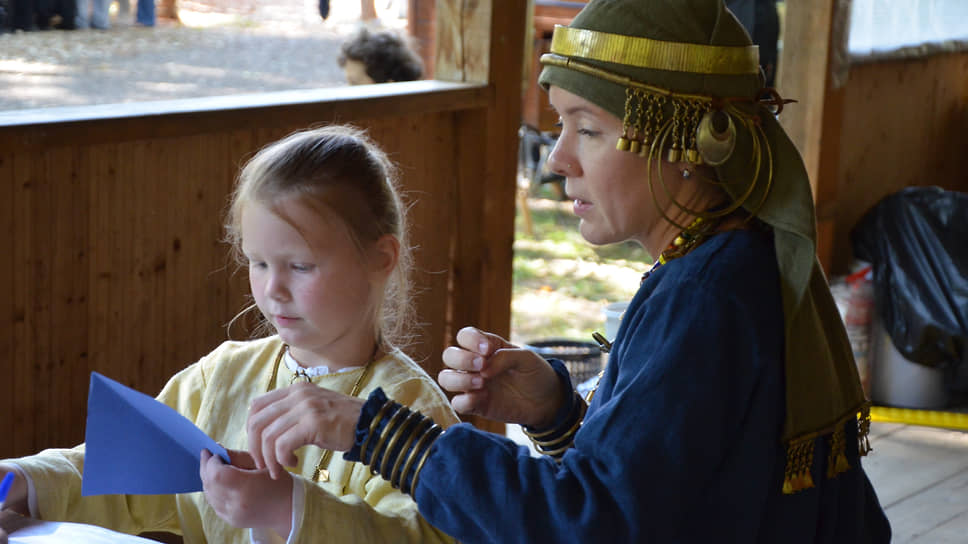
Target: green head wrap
x,y
620,54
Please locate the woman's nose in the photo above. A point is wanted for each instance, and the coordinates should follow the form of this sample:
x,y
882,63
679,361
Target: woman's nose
x,y
559,163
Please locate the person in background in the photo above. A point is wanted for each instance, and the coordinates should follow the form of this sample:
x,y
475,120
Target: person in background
x,y
145,13
317,219
92,14
762,21
730,409
379,57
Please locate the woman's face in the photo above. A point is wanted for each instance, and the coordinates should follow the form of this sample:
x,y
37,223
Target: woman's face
x,y
609,187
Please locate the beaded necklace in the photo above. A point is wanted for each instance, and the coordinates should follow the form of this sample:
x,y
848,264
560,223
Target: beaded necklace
x,y
320,474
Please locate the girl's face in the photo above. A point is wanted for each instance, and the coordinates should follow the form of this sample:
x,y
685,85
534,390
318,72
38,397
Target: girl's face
x,y
609,187
312,284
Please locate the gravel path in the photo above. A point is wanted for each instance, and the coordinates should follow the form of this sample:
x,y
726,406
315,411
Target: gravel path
x,y
221,47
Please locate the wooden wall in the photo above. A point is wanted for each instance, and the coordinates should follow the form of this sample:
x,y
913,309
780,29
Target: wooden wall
x,y
904,124
114,219
866,129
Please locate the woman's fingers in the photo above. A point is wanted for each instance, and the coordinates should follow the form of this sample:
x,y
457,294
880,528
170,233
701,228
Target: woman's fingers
x,y
482,343
459,381
470,403
462,359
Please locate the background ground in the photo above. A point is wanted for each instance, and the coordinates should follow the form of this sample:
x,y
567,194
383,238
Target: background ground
x,y
221,47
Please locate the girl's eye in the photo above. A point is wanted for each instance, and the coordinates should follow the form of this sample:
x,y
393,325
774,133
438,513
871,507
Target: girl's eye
x,y
257,264
300,267
559,124
588,132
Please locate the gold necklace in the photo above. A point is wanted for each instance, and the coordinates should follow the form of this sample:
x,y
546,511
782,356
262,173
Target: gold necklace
x,y
320,474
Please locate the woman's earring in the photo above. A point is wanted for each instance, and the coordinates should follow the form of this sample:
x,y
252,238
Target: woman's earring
x,y
686,173
715,137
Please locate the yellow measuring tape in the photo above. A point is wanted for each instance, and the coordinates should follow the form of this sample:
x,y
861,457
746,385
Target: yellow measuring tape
x,y
929,418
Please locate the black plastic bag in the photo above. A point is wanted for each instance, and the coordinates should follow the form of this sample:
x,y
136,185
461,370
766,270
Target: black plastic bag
x,y
917,242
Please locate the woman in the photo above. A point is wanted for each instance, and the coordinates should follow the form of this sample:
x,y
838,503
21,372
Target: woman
x,y
730,409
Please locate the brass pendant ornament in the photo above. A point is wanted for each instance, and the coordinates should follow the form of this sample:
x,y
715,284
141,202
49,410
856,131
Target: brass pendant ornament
x,y
716,137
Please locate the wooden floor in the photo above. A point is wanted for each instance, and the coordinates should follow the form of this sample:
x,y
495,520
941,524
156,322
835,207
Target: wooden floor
x,y
921,477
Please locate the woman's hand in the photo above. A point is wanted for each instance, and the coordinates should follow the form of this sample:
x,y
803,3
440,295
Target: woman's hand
x,y
500,381
245,496
287,419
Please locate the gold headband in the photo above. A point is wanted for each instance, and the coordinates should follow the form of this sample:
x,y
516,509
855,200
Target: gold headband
x,y
683,126
655,54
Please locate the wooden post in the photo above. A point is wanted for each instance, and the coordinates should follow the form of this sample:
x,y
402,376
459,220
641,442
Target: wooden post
x,y
420,25
168,9
812,70
483,41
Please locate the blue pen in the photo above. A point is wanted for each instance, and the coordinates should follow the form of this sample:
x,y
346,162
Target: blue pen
x,y
5,488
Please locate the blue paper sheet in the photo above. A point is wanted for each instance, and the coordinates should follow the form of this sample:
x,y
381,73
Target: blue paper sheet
x,y
138,445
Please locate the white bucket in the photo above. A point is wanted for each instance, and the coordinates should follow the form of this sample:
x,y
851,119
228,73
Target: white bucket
x,y
896,381
613,317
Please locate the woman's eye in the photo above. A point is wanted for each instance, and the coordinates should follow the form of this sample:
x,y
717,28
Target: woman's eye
x,y
300,267
588,132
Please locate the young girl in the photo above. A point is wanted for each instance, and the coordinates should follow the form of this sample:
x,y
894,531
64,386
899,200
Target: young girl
x,y
318,220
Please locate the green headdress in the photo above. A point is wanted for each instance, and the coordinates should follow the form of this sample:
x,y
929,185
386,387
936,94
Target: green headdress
x,y
685,79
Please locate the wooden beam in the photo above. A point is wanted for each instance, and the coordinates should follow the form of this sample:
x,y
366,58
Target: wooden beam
x,y
484,41
43,128
812,70
421,15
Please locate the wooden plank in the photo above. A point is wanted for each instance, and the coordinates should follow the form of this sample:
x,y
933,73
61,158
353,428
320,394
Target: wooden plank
x,y
892,140
8,309
421,15
802,75
908,462
952,531
22,375
934,512
41,303
507,33
45,128
879,429
68,278
448,61
431,208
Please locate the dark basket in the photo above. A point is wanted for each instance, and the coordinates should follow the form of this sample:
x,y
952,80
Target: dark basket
x,y
583,359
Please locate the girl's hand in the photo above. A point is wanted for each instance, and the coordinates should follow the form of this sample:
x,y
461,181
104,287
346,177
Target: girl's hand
x,y
287,419
244,496
17,494
500,381
10,522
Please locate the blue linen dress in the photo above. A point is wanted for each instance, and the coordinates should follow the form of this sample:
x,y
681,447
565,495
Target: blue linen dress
x,y
682,441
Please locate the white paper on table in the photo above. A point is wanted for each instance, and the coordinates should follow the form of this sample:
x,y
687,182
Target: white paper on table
x,y
34,531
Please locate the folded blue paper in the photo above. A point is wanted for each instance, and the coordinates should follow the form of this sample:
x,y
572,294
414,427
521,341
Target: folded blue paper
x,y
138,445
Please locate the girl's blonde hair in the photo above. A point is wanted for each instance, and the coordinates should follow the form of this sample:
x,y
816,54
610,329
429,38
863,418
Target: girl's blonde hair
x,y
335,169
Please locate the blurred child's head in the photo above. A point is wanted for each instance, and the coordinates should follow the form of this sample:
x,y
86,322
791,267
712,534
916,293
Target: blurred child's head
x,y
379,57
318,220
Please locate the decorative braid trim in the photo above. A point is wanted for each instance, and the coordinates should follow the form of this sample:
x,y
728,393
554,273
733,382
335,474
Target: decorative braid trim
x,y
402,441
556,441
797,475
